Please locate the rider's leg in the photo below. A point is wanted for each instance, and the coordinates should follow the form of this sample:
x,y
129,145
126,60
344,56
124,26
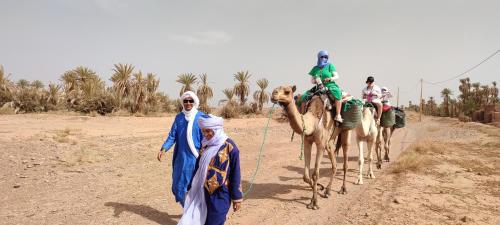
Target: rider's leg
x,y
338,106
379,111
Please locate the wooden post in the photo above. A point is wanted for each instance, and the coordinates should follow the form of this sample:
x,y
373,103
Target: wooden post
x,y
397,101
421,99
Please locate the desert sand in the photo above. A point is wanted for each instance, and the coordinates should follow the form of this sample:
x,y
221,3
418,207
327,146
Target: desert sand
x,y
58,169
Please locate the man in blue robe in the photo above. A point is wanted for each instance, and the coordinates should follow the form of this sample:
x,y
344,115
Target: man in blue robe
x,y
187,136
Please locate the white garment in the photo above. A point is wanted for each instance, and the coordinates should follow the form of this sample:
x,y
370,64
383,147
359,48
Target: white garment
x,y
190,116
386,95
372,94
195,207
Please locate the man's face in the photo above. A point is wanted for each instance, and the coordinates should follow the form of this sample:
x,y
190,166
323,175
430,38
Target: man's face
x,y
369,84
188,103
207,133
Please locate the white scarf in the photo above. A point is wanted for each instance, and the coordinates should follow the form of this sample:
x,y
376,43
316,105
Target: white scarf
x,y
190,116
195,207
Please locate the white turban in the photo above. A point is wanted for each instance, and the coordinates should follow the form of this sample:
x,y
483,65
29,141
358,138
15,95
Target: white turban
x,y
190,115
211,122
190,94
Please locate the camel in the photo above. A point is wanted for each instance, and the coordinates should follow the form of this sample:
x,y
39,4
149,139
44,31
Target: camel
x,y
384,136
366,132
318,127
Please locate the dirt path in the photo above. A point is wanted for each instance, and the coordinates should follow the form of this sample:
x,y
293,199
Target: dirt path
x,y
102,170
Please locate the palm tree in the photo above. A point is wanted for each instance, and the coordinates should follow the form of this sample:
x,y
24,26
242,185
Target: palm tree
x,y
445,93
242,88
204,91
23,83
229,93
494,92
121,81
70,81
53,94
431,106
187,80
37,84
6,88
261,96
138,93
152,85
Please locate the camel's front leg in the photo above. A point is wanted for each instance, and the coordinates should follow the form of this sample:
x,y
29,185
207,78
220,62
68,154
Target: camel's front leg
x,y
370,158
307,161
361,159
345,146
315,176
333,160
378,148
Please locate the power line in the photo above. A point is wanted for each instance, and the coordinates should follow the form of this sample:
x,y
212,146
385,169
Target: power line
x,y
472,68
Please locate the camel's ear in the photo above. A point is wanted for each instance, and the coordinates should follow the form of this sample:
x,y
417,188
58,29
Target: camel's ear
x,y
294,88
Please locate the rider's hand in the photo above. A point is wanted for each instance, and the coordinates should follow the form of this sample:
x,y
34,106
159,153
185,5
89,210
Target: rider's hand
x,y
328,79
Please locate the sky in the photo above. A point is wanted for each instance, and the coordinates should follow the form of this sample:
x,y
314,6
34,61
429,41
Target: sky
x,y
396,41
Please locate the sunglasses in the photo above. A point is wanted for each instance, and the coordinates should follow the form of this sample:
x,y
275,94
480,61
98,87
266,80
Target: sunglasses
x,y
188,101
323,57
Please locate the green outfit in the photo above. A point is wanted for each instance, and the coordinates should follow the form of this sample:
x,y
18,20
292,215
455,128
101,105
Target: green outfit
x,y
323,73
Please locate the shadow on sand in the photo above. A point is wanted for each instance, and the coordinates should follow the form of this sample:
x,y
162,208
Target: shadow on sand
x,y
144,211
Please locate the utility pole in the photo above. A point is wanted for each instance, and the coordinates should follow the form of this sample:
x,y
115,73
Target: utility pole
x,y
421,100
397,101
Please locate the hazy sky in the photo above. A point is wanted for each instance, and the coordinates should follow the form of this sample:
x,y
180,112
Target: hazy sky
x,y
397,41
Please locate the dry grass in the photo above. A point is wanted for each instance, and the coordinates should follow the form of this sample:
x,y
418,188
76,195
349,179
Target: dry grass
x,y
7,110
429,146
473,165
229,111
63,136
418,156
410,161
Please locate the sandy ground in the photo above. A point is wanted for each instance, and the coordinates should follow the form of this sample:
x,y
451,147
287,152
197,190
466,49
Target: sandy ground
x,y
102,170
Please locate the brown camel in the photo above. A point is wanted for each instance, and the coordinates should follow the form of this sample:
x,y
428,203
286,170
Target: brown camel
x,y
318,128
384,136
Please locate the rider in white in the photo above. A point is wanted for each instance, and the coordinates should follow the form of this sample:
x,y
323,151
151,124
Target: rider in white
x,y
373,94
386,95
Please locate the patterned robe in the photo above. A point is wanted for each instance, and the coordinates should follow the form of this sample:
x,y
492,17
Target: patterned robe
x,y
223,183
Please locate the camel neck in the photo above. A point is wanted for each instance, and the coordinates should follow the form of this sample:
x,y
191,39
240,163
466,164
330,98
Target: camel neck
x,y
294,118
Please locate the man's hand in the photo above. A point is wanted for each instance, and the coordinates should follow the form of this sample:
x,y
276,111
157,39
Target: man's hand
x,y
236,206
321,86
328,79
160,154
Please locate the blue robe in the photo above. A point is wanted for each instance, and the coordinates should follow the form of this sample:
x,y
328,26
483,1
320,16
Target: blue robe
x,y
183,161
223,183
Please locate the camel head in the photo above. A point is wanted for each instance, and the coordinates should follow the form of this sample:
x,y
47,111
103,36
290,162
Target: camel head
x,y
283,95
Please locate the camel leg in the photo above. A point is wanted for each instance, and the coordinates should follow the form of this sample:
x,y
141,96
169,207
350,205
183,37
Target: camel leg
x,y
378,148
333,160
315,176
307,161
361,160
338,144
370,158
345,146
387,139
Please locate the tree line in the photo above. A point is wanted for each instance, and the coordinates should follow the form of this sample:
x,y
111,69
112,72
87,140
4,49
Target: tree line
x,y
471,97
82,90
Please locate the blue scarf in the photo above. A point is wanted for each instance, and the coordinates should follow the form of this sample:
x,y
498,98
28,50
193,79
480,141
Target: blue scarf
x,y
322,62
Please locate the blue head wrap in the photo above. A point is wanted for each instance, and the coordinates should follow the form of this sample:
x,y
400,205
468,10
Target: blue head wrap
x,y
322,62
